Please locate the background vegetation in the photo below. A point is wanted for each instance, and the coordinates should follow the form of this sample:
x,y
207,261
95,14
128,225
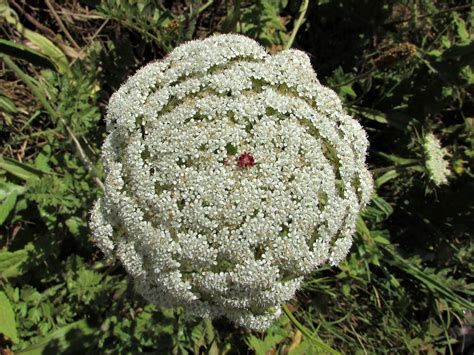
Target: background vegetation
x,y
403,68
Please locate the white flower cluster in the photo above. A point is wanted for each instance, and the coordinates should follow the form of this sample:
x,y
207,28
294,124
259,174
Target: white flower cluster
x,y
436,165
230,174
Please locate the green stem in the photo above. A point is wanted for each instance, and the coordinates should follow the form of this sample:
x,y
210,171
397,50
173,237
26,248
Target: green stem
x,y
306,332
205,6
396,167
298,23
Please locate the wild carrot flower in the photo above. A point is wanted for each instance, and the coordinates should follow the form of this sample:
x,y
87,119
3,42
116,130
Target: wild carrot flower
x,y
435,163
230,175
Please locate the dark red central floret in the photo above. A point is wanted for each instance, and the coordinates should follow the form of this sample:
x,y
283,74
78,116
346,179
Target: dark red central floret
x,y
246,160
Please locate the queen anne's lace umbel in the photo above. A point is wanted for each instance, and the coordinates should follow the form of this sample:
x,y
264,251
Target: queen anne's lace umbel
x,y
435,163
230,174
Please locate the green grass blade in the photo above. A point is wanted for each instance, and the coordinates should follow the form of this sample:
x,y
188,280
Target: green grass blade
x,y
20,170
23,52
318,342
429,281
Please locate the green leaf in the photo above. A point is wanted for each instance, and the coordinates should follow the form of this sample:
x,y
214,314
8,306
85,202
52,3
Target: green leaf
x,y
20,170
7,188
381,240
274,336
383,205
77,336
398,160
11,262
44,45
463,33
361,227
74,224
8,324
389,175
262,22
7,205
21,51
368,113
231,150
346,290
7,105
49,49
42,162
262,347
346,89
